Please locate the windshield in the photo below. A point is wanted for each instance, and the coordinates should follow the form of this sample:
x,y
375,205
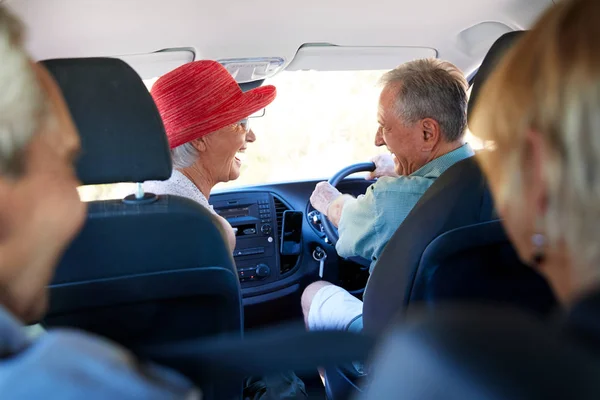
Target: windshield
x,y
320,122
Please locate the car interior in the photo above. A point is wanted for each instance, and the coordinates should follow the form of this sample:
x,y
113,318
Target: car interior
x,y
149,271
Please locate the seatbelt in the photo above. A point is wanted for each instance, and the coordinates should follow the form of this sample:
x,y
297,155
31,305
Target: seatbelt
x,y
231,358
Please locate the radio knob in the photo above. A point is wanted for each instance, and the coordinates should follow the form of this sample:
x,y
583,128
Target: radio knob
x,y
266,229
263,270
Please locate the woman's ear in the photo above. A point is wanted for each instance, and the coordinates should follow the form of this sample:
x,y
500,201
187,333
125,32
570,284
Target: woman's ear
x,y
534,164
200,144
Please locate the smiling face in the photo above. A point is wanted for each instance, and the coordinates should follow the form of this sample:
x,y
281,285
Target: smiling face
x,y
221,152
405,141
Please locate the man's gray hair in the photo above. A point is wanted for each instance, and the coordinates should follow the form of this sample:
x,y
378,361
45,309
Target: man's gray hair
x,y
22,100
431,88
184,156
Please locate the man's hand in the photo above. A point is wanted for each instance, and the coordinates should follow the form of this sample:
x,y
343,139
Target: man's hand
x,y
322,197
384,166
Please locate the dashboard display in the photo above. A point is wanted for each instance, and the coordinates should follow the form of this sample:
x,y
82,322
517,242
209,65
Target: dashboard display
x,y
237,212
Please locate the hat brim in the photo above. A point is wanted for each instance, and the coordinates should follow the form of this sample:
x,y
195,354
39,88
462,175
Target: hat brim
x,y
244,105
250,102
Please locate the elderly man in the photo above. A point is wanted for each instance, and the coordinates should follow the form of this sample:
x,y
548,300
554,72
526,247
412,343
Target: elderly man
x,y
422,121
41,213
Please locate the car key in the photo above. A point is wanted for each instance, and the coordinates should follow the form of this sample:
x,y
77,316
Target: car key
x,y
320,256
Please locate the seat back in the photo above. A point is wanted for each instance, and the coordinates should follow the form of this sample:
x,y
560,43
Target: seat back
x,y
477,263
484,353
447,248
458,198
143,271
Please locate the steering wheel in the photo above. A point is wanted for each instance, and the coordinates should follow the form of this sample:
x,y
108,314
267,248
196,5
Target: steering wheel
x,y
329,229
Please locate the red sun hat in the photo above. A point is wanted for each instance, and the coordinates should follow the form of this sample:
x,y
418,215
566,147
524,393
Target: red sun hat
x,y
202,97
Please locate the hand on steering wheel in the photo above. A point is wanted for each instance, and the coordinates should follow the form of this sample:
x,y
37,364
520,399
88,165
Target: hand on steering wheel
x,y
330,230
323,197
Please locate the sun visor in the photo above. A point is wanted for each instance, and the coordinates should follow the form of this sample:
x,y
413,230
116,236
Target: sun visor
x,y
158,63
352,58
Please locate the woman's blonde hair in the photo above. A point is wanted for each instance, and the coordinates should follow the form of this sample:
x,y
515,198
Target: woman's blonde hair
x,y
550,83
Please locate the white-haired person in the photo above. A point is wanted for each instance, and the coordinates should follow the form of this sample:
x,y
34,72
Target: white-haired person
x,y
422,120
206,115
38,145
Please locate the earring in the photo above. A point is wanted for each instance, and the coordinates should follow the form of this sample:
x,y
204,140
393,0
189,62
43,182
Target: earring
x,y
538,241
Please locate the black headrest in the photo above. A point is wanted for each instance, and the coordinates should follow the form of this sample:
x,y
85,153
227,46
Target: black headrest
x,y
498,49
122,135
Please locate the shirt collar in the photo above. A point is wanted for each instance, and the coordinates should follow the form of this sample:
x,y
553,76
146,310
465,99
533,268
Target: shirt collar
x,y
434,168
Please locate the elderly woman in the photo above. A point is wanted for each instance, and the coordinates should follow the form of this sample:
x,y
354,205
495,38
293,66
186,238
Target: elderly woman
x,y
206,118
541,109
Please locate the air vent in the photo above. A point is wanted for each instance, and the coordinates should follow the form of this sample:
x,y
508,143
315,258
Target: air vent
x,y
279,210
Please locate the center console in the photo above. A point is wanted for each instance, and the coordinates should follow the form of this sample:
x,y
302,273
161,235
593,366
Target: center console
x,y
256,217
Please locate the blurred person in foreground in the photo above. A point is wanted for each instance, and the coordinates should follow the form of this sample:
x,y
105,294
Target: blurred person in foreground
x,y
422,121
206,116
41,213
541,109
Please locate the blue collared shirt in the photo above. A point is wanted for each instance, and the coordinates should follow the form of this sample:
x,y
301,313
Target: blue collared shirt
x,y
65,364
368,222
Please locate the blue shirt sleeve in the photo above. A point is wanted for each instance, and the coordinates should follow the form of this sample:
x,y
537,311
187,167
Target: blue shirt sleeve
x,y
368,222
358,227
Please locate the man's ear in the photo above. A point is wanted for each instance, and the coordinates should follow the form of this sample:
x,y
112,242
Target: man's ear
x,y
431,133
200,144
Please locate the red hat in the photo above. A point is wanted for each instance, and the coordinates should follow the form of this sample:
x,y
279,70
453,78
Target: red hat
x,y
201,97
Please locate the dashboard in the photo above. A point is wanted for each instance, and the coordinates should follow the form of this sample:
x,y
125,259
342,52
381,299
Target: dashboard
x,y
257,219
257,215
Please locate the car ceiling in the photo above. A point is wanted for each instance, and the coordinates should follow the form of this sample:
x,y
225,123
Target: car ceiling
x,y
460,31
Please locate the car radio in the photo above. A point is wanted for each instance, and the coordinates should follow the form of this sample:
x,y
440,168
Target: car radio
x,y
254,219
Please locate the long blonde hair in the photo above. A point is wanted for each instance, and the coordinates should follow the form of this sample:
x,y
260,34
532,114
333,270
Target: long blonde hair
x,y
550,83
